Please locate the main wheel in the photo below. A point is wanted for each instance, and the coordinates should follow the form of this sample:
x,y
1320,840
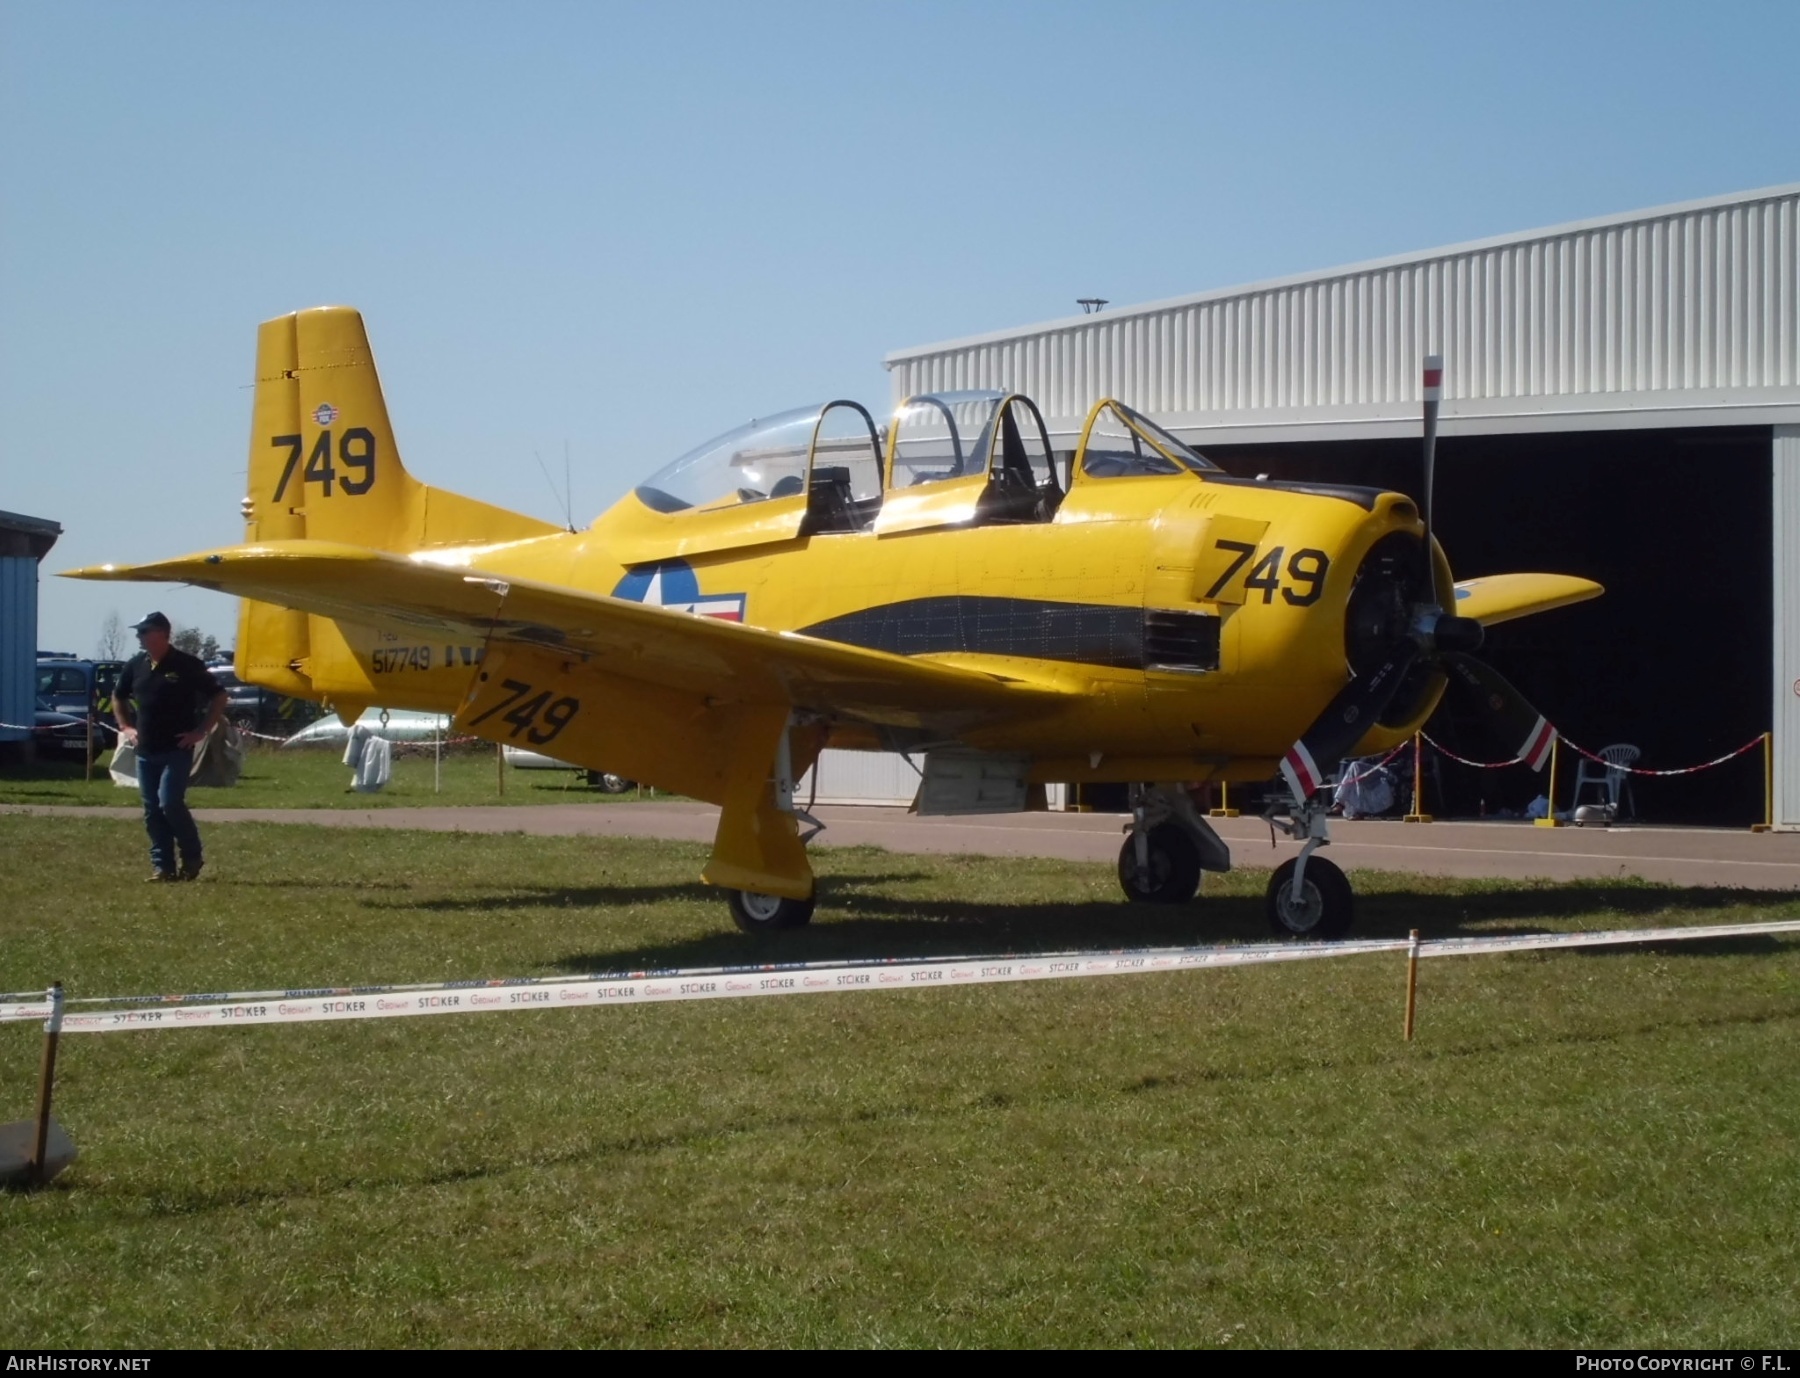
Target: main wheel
x,y
608,783
1174,873
1322,909
756,913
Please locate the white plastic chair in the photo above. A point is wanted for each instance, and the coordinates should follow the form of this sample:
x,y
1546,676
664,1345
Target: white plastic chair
x,y
1608,775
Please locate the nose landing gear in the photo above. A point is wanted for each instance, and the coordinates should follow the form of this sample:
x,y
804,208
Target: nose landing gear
x,y
1308,897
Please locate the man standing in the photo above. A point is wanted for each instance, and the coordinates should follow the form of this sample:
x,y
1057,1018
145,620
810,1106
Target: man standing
x,y
166,701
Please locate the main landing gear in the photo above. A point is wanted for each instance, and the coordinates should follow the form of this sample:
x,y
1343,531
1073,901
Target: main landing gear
x,y
754,912
1169,844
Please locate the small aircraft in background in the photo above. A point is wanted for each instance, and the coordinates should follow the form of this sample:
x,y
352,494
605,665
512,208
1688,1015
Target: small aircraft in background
x,y
1125,613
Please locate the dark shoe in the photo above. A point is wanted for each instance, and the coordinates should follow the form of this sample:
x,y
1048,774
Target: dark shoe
x,y
161,876
190,871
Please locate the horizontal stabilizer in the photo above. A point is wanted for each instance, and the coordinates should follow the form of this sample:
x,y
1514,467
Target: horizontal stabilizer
x,y
1502,597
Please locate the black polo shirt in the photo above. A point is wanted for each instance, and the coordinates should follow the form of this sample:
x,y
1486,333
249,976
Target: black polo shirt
x,y
168,698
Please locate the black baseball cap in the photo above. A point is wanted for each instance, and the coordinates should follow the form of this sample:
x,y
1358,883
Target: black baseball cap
x,y
149,620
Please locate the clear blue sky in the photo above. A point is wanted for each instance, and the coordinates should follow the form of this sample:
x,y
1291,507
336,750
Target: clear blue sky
x,y
630,227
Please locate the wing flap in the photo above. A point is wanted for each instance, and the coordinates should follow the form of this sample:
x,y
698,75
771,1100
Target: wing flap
x,y
656,645
1500,598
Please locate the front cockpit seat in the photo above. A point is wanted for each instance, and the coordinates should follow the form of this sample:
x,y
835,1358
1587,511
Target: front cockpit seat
x,y
1013,493
832,506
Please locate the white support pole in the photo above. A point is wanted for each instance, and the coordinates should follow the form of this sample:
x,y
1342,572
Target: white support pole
x,y
1784,717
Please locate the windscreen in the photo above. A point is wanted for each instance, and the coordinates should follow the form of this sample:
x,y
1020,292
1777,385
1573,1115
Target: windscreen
x,y
1122,443
762,459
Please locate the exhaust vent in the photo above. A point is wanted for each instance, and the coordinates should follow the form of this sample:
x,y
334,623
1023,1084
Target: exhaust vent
x,y
1176,640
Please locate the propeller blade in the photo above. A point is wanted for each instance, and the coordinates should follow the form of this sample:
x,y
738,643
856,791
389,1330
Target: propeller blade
x,y
1523,730
1433,391
1351,713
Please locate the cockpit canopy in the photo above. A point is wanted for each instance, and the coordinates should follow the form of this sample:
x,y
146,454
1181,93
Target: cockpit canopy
x,y
947,459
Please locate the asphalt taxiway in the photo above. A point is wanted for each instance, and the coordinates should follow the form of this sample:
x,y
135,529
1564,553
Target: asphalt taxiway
x,y
1501,850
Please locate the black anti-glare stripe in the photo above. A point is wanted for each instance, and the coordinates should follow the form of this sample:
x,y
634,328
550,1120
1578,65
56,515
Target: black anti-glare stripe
x,y
1088,633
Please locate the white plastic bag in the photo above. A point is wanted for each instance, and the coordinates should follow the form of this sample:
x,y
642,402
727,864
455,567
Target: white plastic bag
x,y
374,763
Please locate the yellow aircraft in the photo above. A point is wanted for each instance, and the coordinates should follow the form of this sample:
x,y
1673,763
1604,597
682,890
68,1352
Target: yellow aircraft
x,y
1125,613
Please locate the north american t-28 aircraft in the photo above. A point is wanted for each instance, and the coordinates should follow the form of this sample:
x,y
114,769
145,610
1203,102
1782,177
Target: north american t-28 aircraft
x,y
950,586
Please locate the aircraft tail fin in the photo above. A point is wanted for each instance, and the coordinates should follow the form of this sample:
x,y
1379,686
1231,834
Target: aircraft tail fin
x,y
324,466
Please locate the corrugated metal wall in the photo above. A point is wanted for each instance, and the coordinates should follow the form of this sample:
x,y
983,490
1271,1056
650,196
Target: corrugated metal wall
x,y
1787,627
1701,297
18,644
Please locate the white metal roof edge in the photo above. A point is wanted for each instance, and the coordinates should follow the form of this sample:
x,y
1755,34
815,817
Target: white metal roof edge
x,y
1484,416
1774,193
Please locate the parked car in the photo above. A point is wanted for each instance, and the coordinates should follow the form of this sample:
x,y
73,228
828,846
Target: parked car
x,y
603,780
252,708
68,690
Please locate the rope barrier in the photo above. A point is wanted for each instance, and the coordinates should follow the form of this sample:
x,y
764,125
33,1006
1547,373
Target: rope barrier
x,y
1750,745
101,725
1755,741
1464,761
341,1003
59,726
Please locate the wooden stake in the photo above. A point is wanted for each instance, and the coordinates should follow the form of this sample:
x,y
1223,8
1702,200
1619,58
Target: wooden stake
x,y
1768,823
1412,981
500,765
47,1084
89,777
1418,815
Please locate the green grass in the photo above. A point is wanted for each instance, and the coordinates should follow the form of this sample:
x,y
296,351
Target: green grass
x,y
316,778
1580,1149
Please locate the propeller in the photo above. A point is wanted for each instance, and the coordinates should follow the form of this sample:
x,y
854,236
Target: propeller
x,y
1396,626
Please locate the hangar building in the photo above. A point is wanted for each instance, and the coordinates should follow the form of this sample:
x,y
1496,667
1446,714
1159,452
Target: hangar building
x,y
1621,401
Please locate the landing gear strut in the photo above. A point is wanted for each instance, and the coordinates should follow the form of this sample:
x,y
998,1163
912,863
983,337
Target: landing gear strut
x,y
1169,844
1308,897
752,911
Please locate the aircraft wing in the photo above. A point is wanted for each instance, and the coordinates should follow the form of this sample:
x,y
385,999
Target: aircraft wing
x,y
1502,597
661,646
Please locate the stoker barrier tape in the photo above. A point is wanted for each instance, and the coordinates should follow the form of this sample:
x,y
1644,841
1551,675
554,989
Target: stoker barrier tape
x,y
336,1003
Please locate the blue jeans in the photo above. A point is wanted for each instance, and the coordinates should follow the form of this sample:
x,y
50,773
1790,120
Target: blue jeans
x,y
163,782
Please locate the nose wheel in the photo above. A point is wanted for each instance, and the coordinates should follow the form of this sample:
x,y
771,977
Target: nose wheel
x,y
1320,906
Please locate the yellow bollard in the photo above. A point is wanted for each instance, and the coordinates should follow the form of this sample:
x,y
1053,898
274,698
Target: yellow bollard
x,y
1418,815
1549,818
1768,823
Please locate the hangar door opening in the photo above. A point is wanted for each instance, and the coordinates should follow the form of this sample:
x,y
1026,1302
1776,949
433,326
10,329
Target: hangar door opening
x,y
1675,659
